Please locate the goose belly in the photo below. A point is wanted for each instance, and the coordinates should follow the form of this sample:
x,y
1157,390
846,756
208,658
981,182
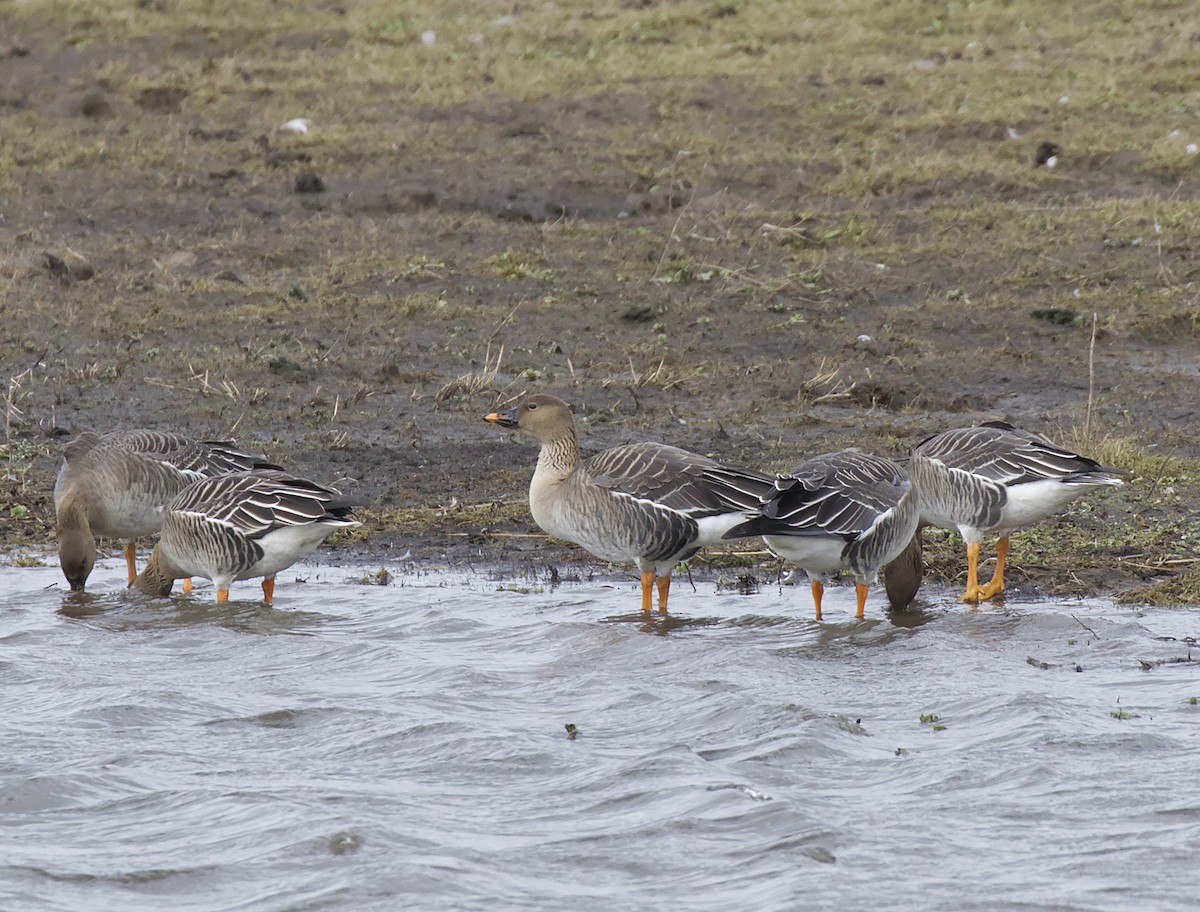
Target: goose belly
x,y
620,530
816,555
283,547
1033,501
128,515
205,549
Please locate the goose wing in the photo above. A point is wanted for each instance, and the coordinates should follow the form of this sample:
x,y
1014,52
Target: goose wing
x,y
255,503
196,458
676,479
841,494
1006,455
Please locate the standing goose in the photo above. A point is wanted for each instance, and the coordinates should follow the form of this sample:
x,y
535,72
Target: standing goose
x,y
842,511
118,485
996,479
235,527
646,503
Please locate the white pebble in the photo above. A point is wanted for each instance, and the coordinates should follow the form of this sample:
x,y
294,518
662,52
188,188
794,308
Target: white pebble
x,y
299,125
1191,148
1064,99
428,37
1012,134
864,338
1052,161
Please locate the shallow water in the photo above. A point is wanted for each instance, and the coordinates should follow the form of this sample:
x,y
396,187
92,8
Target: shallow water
x,y
404,747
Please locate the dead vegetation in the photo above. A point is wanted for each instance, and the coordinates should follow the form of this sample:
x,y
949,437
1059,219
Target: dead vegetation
x,y
762,229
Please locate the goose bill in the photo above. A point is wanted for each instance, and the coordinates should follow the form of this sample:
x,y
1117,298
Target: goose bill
x,y
505,419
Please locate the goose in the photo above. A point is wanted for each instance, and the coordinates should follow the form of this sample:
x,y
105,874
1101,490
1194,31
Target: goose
x,y
645,503
847,510
117,485
240,526
995,479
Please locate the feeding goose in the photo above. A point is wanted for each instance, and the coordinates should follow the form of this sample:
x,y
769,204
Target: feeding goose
x,y
118,485
993,480
847,510
645,503
236,527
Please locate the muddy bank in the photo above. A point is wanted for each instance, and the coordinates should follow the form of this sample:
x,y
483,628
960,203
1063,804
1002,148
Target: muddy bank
x,y
701,261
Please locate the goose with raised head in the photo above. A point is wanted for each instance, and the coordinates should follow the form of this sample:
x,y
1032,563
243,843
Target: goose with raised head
x,y
847,510
241,526
995,479
117,485
645,503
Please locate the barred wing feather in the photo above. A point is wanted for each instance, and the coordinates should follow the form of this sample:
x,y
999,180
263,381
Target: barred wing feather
x,y
676,479
1006,455
255,503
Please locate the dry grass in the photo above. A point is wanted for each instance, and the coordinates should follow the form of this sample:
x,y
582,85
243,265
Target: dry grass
x,y
792,176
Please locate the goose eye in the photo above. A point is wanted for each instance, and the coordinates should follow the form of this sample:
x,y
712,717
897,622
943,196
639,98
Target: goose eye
x,y
531,406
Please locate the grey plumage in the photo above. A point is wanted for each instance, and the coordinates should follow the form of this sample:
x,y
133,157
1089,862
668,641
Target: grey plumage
x,y
117,485
646,503
971,479
243,525
996,479
847,510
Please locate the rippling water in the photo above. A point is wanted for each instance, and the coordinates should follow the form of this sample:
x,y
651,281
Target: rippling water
x,y
405,747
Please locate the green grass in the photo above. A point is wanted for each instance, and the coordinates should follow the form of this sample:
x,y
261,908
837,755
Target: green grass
x,y
791,175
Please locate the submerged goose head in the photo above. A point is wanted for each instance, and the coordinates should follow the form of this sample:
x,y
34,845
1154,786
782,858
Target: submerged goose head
x,y
76,547
544,418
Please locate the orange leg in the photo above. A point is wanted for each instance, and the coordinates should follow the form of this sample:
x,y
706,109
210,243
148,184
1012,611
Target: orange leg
x,y
818,592
268,588
996,586
664,589
131,561
647,586
972,593
187,584
860,589
222,596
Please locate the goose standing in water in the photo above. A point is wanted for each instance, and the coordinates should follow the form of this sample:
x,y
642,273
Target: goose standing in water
x,y
646,503
843,511
118,485
236,527
996,479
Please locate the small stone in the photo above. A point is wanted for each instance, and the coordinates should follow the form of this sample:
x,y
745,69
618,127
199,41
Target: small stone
x,y
309,182
1047,154
95,105
55,265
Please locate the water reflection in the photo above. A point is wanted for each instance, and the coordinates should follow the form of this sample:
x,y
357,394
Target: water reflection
x,y
131,610
660,624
